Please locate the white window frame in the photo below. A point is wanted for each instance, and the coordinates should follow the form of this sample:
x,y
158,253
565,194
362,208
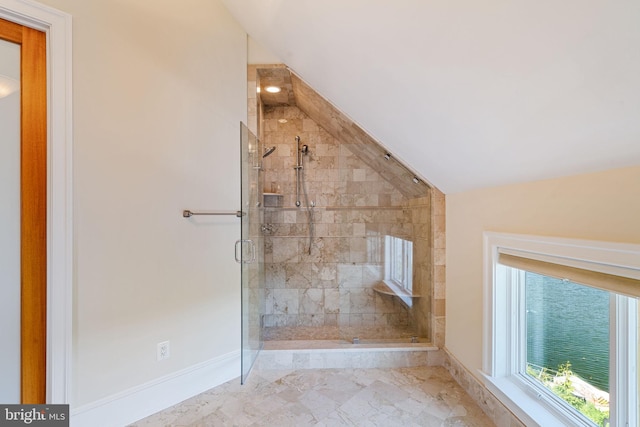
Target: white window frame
x,y
504,334
403,288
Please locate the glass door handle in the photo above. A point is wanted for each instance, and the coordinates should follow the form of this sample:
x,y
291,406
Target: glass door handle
x,y
239,251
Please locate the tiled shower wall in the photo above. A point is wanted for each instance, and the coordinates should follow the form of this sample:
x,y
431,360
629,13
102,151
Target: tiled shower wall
x,y
327,293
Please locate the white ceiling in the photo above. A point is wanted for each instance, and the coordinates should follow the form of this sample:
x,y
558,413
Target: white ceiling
x,y
471,93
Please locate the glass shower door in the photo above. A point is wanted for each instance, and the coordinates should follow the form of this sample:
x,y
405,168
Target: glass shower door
x,y
251,249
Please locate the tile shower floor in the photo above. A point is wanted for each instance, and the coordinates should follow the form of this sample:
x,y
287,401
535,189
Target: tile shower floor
x,y
374,333
421,396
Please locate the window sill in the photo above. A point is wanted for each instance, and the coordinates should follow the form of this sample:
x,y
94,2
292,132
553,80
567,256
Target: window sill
x,y
530,406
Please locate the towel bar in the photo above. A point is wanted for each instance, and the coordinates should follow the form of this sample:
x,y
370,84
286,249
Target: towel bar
x,y
187,213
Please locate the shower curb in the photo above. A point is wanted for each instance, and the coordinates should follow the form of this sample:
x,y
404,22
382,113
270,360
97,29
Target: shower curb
x,y
291,355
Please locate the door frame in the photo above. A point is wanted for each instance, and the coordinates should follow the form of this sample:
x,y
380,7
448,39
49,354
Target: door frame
x,y
57,26
32,46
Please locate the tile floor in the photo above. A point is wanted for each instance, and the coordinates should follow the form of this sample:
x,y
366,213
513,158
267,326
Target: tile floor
x,y
400,333
418,396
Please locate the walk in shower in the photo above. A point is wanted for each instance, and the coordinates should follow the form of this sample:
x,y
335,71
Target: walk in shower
x,y
347,229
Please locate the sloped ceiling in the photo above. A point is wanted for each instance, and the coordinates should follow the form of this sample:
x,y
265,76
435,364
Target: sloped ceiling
x,y
471,93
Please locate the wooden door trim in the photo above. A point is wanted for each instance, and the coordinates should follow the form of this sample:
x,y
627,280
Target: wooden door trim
x,y
58,28
10,31
33,209
34,216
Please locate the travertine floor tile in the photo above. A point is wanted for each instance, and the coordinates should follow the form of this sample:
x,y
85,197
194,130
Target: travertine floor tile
x,y
420,396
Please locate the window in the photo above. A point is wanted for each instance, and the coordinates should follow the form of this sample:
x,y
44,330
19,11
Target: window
x,y
561,329
567,342
399,267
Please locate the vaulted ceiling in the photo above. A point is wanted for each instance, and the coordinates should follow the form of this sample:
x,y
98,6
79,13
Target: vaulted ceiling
x,y
471,94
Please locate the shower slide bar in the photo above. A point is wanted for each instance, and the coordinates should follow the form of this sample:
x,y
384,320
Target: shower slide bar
x,y
187,213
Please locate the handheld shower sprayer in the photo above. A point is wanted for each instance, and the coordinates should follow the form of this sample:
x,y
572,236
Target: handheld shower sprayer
x,y
300,152
298,169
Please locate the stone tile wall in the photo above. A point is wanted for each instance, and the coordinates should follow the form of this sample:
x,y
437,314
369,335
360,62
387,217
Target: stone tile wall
x,y
359,142
420,209
331,287
438,267
349,358
332,284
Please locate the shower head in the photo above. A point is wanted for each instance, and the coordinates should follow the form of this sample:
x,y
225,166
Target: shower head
x,y
268,151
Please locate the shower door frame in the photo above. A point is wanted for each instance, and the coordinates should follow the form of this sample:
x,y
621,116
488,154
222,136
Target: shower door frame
x,y
251,250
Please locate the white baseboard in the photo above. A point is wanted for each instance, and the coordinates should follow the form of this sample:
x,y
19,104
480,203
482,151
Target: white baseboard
x,y
141,401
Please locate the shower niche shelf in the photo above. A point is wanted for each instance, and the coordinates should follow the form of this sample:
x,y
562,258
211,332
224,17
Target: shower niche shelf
x,y
383,288
272,200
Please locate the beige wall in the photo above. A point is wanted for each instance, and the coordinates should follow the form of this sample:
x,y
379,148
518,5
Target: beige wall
x,y
599,206
258,54
159,91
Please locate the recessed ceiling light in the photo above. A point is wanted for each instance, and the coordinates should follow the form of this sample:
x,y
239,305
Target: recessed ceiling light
x,y
282,120
272,89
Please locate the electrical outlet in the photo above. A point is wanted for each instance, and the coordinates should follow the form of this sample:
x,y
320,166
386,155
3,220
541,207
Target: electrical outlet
x,y
163,350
